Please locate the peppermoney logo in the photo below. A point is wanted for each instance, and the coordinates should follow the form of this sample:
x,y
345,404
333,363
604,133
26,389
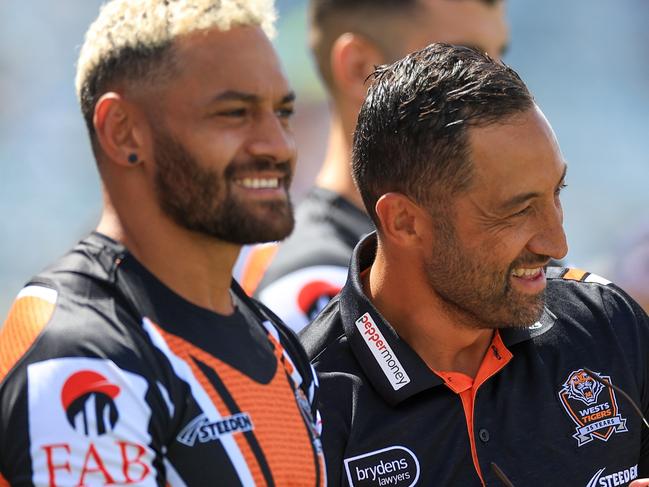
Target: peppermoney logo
x,y
382,352
395,466
201,429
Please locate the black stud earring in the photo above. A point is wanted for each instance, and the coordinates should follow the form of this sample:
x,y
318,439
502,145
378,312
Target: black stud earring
x,y
132,158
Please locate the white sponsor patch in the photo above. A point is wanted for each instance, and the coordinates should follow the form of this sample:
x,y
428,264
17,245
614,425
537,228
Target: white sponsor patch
x,y
382,352
395,466
88,424
623,477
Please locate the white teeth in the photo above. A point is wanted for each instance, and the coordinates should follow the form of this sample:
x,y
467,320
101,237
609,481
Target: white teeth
x,y
259,183
520,272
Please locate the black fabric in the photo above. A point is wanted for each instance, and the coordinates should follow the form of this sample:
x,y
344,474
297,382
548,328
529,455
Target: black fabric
x,y
106,299
519,414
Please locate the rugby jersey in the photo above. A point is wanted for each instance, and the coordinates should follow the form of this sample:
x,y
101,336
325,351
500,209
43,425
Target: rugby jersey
x,y
533,409
108,377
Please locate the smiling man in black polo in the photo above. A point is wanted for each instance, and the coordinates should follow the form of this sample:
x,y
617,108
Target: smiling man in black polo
x,y
453,347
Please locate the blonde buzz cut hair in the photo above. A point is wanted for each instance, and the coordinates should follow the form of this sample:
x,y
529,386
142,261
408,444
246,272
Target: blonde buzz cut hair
x,y
131,40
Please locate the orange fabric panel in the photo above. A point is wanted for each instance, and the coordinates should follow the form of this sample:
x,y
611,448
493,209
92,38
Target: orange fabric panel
x,y
3,482
496,358
27,318
277,420
256,264
575,275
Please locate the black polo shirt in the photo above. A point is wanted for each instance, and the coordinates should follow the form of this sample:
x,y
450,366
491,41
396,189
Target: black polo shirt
x,y
532,409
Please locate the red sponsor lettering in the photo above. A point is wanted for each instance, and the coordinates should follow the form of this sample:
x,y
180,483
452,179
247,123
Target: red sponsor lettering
x,y
51,466
133,464
140,451
99,466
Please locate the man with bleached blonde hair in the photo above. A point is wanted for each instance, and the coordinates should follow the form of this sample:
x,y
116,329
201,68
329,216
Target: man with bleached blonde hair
x,y
135,359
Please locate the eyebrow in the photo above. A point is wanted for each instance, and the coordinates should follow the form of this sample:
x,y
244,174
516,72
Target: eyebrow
x,y
522,198
233,95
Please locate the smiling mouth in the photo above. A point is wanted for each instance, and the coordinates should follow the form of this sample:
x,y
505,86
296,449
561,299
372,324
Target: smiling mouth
x,y
527,273
259,183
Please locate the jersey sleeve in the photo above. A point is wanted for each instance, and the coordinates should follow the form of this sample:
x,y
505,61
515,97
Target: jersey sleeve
x,y
299,296
626,314
643,324
71,412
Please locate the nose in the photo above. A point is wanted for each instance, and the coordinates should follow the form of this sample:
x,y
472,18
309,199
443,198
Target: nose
x,y
272,139
550,238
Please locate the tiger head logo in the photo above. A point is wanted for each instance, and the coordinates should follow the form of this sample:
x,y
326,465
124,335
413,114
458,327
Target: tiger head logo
x,y
583,387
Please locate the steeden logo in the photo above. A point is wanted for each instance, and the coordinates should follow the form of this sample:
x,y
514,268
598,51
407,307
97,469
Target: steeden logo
x,y
382,352
203,430
622,477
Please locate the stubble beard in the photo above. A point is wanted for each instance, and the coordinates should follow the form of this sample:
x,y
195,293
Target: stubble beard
x,y
476,291
201,200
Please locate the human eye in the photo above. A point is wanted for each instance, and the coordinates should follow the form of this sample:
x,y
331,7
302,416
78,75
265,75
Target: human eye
x,y
560,188
285,111
232,112
523,212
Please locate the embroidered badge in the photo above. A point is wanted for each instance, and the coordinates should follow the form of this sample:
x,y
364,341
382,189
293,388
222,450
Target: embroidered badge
x,y
592,407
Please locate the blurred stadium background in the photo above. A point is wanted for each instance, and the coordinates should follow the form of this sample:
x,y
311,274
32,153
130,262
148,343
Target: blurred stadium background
x,y
587,61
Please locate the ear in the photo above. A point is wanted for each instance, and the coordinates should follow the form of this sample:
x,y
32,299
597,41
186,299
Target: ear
x,y
353,58
402,222
119,129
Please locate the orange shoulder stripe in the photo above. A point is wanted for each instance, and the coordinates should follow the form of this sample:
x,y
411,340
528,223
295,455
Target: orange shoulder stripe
x,y
256,264
574,275
27,318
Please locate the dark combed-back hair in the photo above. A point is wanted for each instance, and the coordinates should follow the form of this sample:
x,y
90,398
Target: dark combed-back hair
x,y
331,18
412,131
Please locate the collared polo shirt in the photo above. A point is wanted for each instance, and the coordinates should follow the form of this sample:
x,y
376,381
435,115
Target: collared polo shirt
x,y
532,409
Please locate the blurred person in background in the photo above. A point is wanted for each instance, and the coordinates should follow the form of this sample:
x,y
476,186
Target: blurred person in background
x,y
631,265
348,39
452,347
136,359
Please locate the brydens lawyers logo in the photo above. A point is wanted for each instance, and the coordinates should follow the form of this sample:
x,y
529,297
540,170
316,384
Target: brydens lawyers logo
x,y
592,407
382,352
395,466
88,399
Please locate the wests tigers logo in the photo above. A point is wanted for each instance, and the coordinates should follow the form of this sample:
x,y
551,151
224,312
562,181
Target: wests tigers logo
x,y
583,387
592,407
